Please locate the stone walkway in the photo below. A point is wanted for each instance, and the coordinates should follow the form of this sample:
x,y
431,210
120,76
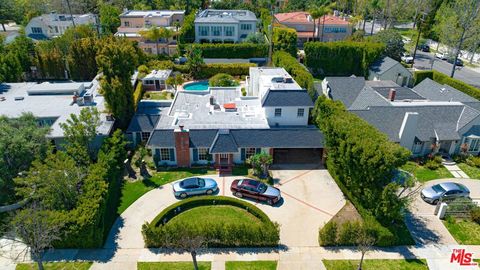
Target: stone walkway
x,y
456,171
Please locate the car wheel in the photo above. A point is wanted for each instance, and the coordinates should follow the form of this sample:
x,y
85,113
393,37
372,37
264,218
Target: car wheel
x,y
183,195
238,194
270,201
209,192
435,202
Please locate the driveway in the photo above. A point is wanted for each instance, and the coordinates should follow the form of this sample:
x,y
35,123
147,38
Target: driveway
x,y
310,199
424,226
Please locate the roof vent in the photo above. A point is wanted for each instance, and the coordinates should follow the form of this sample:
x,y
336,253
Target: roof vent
x,y
443,90
19,98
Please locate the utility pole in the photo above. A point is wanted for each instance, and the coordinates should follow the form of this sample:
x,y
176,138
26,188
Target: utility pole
x,y
419,26
270,30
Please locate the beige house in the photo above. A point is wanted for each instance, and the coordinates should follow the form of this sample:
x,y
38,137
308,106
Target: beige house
x,y
301,21
135,21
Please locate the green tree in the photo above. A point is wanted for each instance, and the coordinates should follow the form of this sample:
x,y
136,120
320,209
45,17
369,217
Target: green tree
x,y
53,182
194,61
187,32
285,39
49,60
222,80
21,142
175,80
255,38
394,46
8,12
109,18
80,133
155,34
320,13
81,59
260,163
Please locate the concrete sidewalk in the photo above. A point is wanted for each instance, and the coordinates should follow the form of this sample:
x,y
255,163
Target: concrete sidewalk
x,y
456,171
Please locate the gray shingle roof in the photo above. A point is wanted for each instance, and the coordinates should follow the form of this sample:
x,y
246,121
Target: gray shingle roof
x,y
224,143
401,93
382,65
202,137
345,89
287,98
438,92
162,138
143,123
367,98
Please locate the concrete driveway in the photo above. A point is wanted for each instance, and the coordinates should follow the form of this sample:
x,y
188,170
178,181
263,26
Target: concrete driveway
x,y
424,226
310,199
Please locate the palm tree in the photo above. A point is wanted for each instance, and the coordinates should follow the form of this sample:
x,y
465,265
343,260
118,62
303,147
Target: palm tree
x,y
153,33
374,7
315,15
323,11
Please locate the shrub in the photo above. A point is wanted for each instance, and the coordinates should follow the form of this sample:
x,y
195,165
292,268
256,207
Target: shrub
x,y
237,69
159,65
432,164
475,214
298,72
328,234
393,43
285,39
341,58
473,161
138,94
244,92
222,80
348,233
217,233
237,50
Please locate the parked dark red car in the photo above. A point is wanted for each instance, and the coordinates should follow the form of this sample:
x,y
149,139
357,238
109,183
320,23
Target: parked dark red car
x,y
256,190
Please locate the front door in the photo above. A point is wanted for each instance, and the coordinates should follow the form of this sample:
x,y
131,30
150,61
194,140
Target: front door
x,y
157,85
445,146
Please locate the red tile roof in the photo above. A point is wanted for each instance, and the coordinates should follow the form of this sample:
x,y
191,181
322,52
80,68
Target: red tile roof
x,y
293,17
330,19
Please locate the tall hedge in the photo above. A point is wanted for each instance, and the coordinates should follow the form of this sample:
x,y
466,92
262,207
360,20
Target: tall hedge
x,y
237,69
285,39
238,50
441,78
341,58
298,72
361,157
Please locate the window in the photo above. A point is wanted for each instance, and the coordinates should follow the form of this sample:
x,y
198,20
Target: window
x,y
126,24
216,31
246,26
474,145
278,112
300,112
335,30
229,31
164,153
203,154
250,152
56,29
203,30
37,30
148,82
145,136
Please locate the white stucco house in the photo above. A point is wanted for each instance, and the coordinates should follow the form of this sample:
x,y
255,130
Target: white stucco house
x,y
52,25
212,25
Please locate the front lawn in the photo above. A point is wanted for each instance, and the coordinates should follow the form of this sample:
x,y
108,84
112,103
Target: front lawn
x,y
164,95
414,264
207,214
465,232
424,174
131,191
56,266
472,172
172,265
253,265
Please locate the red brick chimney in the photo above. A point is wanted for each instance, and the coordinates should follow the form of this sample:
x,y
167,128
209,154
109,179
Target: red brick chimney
x,y
182,146
391,94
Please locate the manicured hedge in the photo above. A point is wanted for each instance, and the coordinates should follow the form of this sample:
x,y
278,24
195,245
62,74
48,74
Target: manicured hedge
x,y
237,50
137,94
298,72
216,233
285,39
237,69
441,78
341,58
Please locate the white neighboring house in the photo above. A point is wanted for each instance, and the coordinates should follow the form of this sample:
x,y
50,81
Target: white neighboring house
x,y
53,25
156,80
214,25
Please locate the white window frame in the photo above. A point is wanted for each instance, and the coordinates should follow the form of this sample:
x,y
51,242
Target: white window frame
x,y
37,30
165,154
246,26
126,23
203,30
473,145
250,152
229,30
218,30
203,154
300,112
278,112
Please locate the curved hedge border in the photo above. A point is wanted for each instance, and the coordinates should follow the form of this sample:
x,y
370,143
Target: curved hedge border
x,y
226,235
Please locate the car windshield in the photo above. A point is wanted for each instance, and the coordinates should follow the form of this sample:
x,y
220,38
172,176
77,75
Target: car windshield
x,y
438,189
262,188
201,182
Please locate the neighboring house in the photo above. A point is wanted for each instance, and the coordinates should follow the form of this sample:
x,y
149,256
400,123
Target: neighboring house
x,y
387,69
301,21
429,118
212,25
132,22
156,80
53,103
53,25
224,128
334,28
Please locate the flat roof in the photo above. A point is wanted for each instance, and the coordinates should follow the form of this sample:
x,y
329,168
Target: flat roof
x,y
223,15
151,13
158,75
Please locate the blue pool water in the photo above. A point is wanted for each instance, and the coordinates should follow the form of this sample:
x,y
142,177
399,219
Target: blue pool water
x,y
196,86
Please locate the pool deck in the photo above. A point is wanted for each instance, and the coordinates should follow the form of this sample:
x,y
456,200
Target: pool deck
x,y
182,87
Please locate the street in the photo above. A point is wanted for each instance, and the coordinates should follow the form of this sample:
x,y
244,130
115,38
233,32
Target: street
x,y
465,74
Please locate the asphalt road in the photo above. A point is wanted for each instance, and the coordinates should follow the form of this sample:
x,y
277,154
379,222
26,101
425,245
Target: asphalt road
x,y
465,74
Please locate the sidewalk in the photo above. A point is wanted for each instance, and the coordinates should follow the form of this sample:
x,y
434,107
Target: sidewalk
x,y
456,171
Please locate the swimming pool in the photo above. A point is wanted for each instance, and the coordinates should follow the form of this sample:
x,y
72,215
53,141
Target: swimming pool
x,y
196,86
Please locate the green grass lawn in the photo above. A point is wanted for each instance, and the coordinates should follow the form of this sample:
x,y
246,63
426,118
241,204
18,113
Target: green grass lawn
x,y
56,266
472,172
158,95
253,265
376,264
225,213
423,174
464,231
172,265
131,191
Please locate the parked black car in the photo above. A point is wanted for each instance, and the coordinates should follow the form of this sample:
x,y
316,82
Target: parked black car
x,y
425,48
459,62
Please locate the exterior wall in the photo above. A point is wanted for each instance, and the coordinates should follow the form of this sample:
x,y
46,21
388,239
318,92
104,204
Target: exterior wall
x,y
300,27
132,22
56,27
393,75
238,32
331,36
150,47
289,116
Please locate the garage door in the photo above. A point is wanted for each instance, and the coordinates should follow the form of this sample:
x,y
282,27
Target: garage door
x,y
297,155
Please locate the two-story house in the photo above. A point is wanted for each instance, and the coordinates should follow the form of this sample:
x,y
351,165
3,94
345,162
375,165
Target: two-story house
x,y
221,127
53,25
133,22
301,21
212,25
